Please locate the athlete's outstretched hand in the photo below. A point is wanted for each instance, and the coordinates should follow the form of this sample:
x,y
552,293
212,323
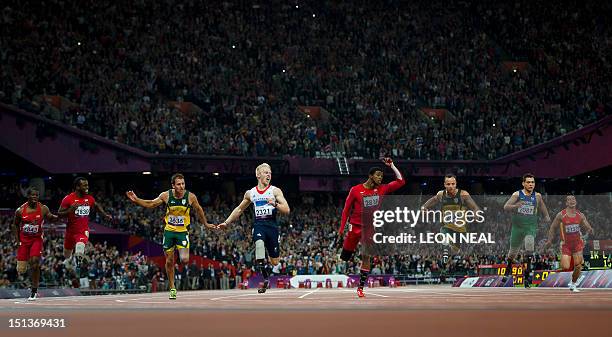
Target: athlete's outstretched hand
x,y
222,225
210,226
131,195
388,161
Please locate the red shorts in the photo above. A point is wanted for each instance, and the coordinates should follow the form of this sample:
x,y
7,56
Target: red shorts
x,y
352,238
572,247
29,248
71,239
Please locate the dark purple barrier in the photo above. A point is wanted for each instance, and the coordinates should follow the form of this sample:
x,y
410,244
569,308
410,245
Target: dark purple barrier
x,y
326,183
147,247
79,151
23,293
123,241
256,279
483,282
65,149
588,279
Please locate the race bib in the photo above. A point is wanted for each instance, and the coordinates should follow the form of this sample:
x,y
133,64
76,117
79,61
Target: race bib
x,y
259,212
30,229
176,220
573,228
526,210
82,210
370,200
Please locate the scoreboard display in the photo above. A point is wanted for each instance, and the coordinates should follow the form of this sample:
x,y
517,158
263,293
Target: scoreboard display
x,y
517,273
599,254
541,275
598,259
594,259
500,269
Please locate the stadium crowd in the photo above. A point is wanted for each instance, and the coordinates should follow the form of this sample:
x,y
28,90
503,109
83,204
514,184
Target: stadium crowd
x,y
247,67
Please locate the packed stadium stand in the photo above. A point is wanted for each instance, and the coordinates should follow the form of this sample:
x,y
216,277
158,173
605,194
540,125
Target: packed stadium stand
x,y
157,78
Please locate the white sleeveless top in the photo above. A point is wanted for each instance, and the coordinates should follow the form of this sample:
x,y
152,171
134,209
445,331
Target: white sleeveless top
x,y
265,214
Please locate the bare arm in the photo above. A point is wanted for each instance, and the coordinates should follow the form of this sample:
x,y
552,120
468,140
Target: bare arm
x,y
398,174
543,207
399,180
346,211
585,223
193,200
553,228
281,203
16,224
101,210
432,201
48,215
161,199
511,204
246,201
469,201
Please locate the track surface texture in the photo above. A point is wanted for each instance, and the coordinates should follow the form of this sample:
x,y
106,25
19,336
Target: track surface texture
x,y
406,311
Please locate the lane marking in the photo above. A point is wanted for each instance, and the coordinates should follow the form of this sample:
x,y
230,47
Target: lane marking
x,y
232,296
308,293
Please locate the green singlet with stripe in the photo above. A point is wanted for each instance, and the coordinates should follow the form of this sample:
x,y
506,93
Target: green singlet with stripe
x,y
177,213
452,204
524,221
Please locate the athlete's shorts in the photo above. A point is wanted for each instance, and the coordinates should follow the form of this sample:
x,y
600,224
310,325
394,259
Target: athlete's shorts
x,y
572,247
518,235
29,248
446,230
352,238
175,239
270,237
71,239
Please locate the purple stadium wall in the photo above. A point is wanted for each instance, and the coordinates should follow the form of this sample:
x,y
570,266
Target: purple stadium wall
x,y
572,154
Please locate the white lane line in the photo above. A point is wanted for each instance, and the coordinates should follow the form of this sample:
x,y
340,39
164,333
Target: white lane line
x,y
233,296
310,292
369,293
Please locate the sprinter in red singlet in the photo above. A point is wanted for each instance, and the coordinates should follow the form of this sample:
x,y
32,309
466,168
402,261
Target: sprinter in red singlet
x,y
569,221
362,198
28,230
76,206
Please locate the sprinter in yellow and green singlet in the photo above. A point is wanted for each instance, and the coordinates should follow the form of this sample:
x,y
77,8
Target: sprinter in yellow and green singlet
x,y
178,203
455,201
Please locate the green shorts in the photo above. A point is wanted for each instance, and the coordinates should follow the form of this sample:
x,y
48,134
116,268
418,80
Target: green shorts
x,y
175,239
519,233
446,230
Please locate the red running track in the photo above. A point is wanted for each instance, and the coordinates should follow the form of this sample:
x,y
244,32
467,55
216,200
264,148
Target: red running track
x,y
407,311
